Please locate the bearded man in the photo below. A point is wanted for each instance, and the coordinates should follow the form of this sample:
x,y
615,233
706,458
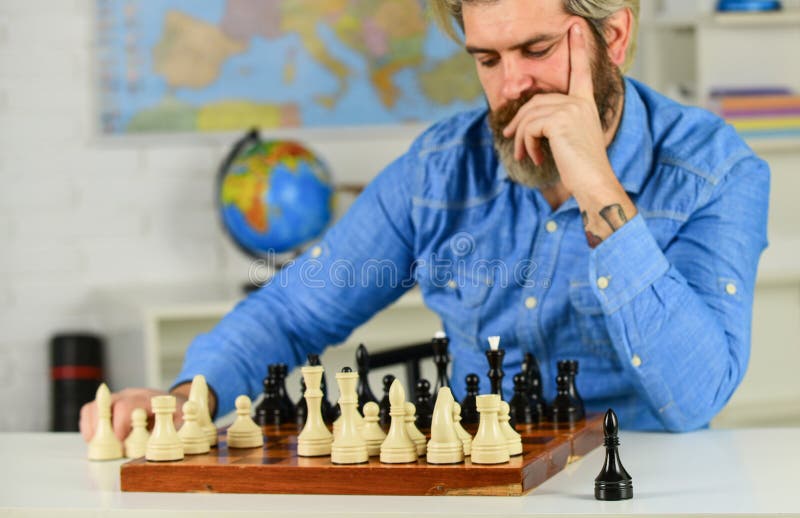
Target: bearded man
x,y
584,216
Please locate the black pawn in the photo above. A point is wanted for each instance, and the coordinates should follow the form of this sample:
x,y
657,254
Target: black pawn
x,y
422,401
564,410
469,408
385,405
268,412
327,408
440,344
278,371
520,408
533,375
570,368
613,483
301,413
363,389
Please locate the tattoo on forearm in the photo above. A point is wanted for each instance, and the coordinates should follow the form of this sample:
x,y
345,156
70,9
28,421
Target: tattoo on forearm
x,y
593,239
614,216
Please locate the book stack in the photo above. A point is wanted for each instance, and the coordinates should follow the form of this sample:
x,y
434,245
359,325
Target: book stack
x,y
761,114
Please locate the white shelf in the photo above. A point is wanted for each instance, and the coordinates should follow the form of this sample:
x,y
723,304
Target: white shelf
x,y
756,19
775,145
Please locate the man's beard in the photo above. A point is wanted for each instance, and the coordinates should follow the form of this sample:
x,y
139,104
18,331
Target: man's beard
x,y
608,89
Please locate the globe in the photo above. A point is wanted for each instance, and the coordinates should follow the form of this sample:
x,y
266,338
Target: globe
x,y
273,196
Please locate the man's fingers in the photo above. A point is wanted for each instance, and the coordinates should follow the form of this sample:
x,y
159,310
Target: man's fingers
x,y
580,68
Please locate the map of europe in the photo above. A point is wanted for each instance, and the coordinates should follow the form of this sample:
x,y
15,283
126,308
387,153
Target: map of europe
x,y
222,65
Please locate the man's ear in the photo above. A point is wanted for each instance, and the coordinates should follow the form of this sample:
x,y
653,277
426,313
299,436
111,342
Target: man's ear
x,y
618,35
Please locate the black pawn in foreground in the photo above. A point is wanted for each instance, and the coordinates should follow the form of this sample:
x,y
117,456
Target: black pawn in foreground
x,y
469,408
301,410
533,375
520,408
327,408
268,412
385,405
565,411
570,369
613,482
496,373
279,371
422,401
440,345
363,389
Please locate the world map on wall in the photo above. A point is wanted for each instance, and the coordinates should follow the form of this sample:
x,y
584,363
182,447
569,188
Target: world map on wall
x,y
221,65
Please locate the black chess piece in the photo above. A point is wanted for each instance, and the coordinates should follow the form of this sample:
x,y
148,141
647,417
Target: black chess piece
x,y
495,374
440,345
327,408
564,409
301,409
278,371
570,369
385,405
533,374
363,389
519,406
613,483
469,408
422,401
268,412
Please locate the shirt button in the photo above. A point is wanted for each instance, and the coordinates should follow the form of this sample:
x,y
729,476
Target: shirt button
x,y
636,361
316,252
531,302
730,289
602,283
452,285
551,226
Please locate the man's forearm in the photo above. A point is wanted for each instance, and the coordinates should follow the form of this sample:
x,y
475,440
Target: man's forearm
x,y
604,209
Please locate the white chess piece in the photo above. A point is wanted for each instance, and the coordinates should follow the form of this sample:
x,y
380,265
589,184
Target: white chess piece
x,y
194,438
244,432
490,445
513,439
104,445
164,443
413,432
464,435
136,441
315,439
398,448
445,446
348,445
198,393
372,432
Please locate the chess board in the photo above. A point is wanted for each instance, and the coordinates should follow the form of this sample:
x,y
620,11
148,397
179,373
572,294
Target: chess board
x,y
276,468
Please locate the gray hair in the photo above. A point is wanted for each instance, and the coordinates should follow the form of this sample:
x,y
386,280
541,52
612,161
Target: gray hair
x,y
596,12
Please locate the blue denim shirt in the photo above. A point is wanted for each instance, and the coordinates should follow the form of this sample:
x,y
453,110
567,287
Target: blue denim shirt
x,y
658,315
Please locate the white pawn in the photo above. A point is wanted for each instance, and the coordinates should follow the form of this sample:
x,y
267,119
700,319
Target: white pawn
x,y
398,448
372,431
490,445
164,443
348,445
136,442
315,439
244,432
513,439
104,445
193,437
464,435
198,393
413,432
445,446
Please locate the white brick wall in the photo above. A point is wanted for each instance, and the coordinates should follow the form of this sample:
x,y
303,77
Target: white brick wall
x,y
81,214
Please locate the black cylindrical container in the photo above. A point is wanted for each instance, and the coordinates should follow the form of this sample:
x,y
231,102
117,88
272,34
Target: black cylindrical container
x,y
76,370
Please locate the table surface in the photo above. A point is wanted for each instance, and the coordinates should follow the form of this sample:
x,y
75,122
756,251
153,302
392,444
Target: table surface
x,y
723,472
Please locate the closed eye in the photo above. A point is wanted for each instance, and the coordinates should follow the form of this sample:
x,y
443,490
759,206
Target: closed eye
x,y
537,54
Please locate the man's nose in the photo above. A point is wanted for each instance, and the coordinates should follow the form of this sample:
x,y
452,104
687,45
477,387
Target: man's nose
x,y
516,79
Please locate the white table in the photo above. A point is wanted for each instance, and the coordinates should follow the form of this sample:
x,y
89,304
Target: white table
x,y
722,472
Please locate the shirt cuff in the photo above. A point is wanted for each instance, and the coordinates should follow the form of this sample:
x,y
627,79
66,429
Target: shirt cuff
x,y
219,381
625,264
